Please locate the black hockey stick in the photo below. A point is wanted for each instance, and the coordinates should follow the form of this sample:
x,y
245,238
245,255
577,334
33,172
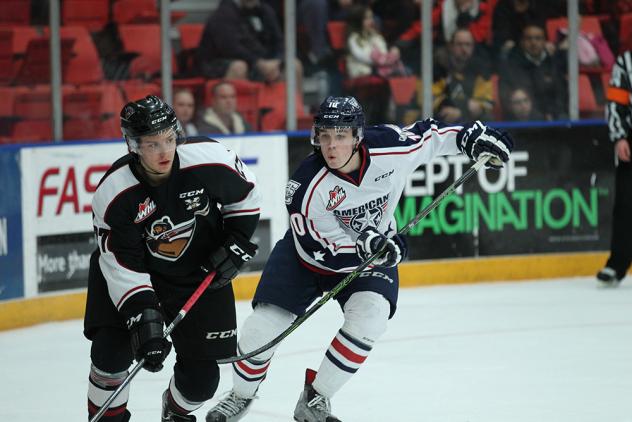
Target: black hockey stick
x,y
187,306
345,281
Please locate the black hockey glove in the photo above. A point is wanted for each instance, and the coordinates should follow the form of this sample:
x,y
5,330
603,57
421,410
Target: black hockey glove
x,y
479,141
146,332
228,259
370,241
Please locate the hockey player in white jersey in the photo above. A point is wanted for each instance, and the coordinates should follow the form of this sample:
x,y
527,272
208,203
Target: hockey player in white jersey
x,y
341,203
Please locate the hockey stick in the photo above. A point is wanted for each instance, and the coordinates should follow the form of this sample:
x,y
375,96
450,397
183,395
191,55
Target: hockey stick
x,y
345,281
187,306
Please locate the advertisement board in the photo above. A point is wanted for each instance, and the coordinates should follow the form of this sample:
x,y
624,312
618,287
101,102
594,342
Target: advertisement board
x,y
57,187
11,274
58,182
555,195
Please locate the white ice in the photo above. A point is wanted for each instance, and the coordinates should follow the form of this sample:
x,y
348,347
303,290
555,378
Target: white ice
x,y
542,351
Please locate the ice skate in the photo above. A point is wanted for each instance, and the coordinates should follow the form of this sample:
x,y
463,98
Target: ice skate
x,y
169,415
229,409
311,406
608,277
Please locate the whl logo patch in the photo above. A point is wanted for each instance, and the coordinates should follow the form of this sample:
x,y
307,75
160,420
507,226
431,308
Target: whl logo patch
x,y
145,209
336,196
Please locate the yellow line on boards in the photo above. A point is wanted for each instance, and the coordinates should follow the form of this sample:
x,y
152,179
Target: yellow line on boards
x,y
24,312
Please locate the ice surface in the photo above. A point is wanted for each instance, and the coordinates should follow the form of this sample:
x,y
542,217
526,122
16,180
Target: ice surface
x,y
542,351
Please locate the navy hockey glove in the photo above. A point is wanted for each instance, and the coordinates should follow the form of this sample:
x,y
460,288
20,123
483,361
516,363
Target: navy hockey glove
x,y
228,259
146,332
479,141
370,241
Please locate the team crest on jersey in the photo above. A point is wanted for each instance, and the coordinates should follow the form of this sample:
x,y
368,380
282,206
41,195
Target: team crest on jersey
x,y
336,196
366,215
290,189
169,241
145,209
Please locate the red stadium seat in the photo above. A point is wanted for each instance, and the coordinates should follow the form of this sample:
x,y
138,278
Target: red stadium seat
x,y
403,89
136,89
587,101
135,11
6,56
84,66
33,104
190,35
15,12
82,129
588,24
35,68
337,34
143,40
625,32
91,14
32,131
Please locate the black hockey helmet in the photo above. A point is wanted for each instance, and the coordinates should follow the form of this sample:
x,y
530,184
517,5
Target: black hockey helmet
x,y
148,116
341,112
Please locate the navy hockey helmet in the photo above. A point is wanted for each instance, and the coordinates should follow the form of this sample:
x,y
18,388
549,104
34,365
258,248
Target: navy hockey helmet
x,y
148,116
338,112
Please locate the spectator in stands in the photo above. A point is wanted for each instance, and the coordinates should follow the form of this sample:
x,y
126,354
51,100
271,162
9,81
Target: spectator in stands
x,y
462,89
471,14
242,39
509,19
531,66
367,50
619,115
521,107
222,116
369,62
447,17
184,107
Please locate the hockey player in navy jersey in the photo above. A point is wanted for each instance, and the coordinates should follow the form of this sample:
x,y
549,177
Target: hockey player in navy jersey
x,y
165,215
341,202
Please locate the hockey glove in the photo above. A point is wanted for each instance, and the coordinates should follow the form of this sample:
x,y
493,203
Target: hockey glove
x,y
371,241
228,259
146,332
479,141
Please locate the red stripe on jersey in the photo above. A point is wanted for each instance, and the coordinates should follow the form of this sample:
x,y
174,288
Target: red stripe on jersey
x,y
131,291
311,222
346,352
250,370
311,194
241,211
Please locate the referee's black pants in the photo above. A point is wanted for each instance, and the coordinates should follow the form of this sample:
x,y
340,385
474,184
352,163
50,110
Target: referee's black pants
x,y
621,243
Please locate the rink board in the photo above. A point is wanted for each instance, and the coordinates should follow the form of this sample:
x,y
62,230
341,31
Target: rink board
x,y
20,313
544,216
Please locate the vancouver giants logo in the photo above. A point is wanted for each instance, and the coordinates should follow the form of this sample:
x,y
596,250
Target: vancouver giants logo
x,y
336,196
169,241
145,209
367,215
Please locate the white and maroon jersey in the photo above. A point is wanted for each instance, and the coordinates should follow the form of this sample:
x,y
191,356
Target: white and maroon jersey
x,y
168,231
329,209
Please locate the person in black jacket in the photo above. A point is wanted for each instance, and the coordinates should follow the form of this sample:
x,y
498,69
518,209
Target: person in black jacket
x,y
165,215
242,39
619,115
530,66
